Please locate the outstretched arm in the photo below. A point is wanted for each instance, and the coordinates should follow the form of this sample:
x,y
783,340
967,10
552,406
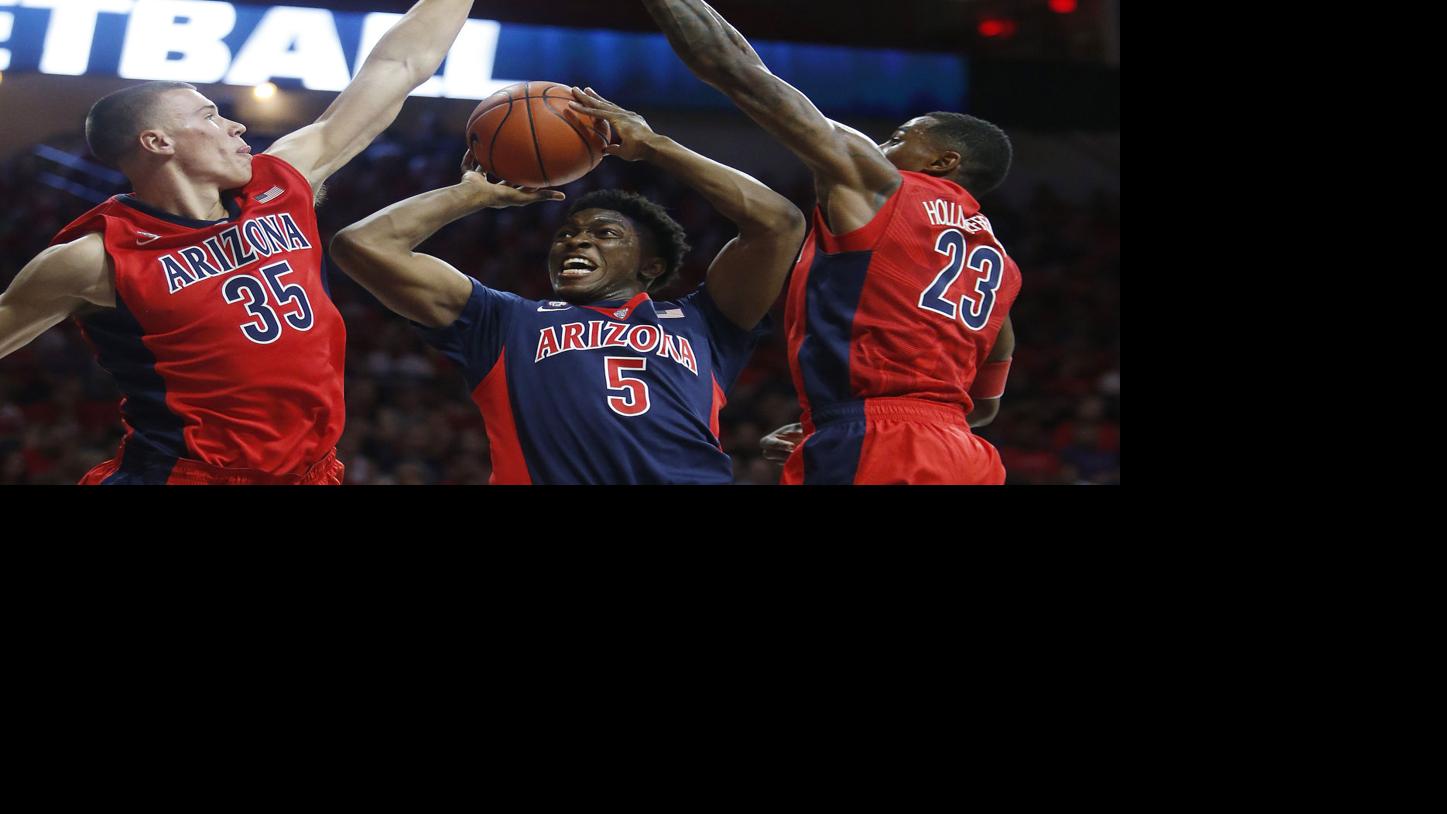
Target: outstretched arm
x,y
747,275
61,281
405,57
377,250
853,177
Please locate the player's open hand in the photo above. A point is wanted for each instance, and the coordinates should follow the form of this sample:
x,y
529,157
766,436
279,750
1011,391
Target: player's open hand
x,y
499,194
630,130
779,444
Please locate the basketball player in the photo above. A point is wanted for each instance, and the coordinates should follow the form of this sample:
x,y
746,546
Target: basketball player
x,y
602,384
897,314
202,290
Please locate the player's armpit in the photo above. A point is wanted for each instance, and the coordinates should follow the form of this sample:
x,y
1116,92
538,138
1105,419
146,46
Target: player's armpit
x,y
59,282
406,56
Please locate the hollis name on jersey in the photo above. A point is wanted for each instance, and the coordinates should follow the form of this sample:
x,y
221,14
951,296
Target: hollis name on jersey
x,y
237,247
949,213
599,334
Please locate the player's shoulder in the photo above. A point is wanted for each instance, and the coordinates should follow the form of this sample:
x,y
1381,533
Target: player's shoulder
x,y
77,267
88,250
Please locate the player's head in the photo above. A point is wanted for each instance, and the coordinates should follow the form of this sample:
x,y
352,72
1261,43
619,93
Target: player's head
x,y
969,151
612,245
140,127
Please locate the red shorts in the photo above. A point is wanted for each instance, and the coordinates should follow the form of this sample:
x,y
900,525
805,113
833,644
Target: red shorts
x,y
893,441
136,468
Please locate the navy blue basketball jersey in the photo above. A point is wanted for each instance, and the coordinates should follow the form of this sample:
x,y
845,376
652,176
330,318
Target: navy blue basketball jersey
x,y
610,392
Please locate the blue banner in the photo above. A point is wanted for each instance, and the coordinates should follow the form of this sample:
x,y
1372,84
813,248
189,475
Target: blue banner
x,y
207,42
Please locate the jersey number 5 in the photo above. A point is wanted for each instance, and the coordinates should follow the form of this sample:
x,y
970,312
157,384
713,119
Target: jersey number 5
x,y
976,305
267,326
634,402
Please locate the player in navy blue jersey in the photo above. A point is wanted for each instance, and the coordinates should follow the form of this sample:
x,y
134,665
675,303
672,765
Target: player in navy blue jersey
x,y
602,384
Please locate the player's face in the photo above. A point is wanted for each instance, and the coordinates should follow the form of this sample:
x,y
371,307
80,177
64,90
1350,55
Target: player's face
x,y
909,147
208,146
597,254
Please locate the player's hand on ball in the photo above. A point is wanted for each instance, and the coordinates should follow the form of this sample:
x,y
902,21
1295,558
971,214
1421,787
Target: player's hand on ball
x,y
498,195
629,129
779,444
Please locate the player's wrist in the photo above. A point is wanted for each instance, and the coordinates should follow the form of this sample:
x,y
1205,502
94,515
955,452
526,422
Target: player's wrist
x,y
475,192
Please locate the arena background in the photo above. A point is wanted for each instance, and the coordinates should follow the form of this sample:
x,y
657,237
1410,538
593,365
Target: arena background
x,y
1048,71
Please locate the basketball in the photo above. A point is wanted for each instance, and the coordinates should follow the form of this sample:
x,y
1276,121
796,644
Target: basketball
x,y
526,134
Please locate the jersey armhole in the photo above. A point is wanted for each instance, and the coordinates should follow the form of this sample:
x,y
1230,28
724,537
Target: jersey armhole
x,y
286,168
863,238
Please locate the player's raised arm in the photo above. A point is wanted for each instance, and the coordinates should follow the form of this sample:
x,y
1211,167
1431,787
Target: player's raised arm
x,y
60,282
843,160
748,273
405,57
377,250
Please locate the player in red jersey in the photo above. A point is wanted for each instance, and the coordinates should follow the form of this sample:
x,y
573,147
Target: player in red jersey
x,y
898,311
202,290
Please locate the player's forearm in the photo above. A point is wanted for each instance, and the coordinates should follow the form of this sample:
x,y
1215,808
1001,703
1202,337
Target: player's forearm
x,y
404,225
705,42
421,39
736,195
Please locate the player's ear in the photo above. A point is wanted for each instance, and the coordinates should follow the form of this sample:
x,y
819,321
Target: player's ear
x,y
945,163
651,270
156,142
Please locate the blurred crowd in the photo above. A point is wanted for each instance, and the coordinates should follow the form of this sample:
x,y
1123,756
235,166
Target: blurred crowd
x,y
409,417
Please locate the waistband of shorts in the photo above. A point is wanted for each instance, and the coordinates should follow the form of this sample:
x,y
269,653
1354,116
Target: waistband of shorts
x,y
900,409
199,470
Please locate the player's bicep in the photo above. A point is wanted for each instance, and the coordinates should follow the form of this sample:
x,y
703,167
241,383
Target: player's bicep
x,y
747,275
417,286
59,282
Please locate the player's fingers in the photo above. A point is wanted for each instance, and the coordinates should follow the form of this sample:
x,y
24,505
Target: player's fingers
x,y
593,111
591,99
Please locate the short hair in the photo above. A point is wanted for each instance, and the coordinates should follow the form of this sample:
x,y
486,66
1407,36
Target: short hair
x,y
669,238
984,149
117,118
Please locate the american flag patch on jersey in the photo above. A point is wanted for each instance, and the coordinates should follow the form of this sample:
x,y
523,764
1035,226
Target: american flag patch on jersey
x,y
671,313
269,194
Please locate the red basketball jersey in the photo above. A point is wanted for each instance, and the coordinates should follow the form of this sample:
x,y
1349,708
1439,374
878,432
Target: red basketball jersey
x,y
907,306
224,339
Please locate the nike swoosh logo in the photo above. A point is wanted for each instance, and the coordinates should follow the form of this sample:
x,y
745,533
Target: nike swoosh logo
x,y
542,308
141,241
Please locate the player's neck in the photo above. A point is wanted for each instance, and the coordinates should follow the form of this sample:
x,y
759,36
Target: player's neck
x,y
171,192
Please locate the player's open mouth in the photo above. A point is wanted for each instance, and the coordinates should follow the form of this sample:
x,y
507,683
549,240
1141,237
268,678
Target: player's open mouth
x,y
577,267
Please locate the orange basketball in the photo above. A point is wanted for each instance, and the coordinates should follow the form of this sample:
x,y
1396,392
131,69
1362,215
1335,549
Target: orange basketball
x,y
526,134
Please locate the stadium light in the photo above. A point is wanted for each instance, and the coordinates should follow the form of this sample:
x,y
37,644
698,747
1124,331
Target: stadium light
x,y
992,27
1062,6
264,91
